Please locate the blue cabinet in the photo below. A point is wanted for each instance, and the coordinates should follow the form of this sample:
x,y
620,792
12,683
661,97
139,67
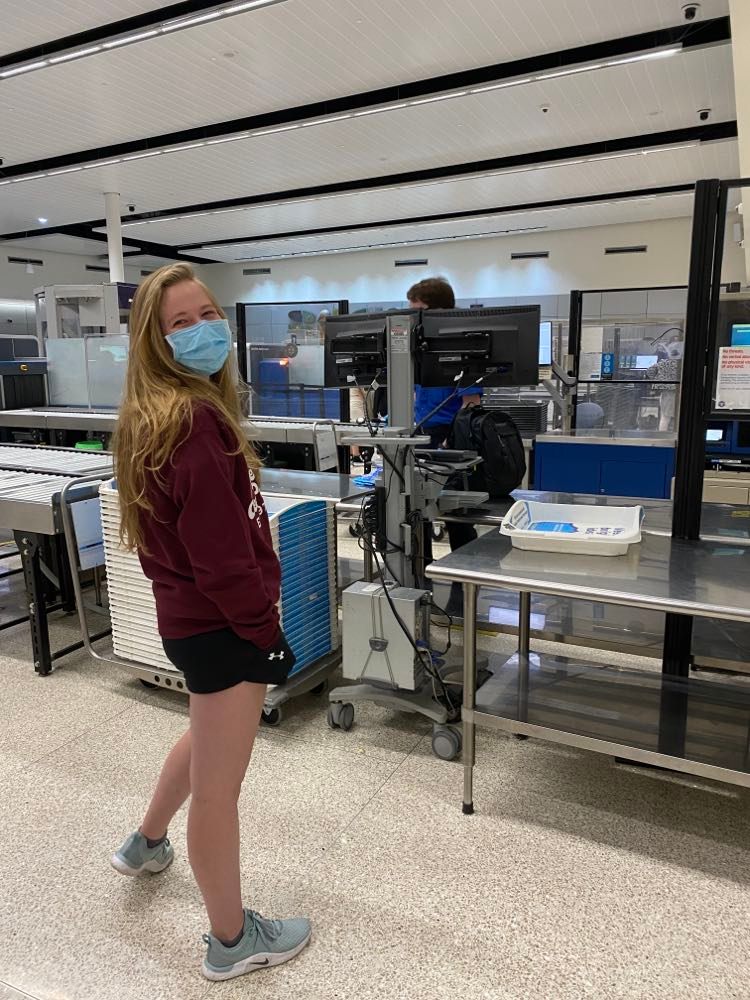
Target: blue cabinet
x,y
605,469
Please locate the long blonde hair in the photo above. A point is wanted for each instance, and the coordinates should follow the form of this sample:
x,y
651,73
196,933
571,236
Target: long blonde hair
x,y
156,414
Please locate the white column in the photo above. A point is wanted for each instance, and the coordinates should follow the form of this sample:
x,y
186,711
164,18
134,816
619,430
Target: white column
x,y
740,13
114,236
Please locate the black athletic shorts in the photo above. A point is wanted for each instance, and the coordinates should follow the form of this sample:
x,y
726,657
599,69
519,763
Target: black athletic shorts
x,y
215,661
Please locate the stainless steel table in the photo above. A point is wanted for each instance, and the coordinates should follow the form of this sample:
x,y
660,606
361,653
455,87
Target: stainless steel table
x,y
697,726
313,486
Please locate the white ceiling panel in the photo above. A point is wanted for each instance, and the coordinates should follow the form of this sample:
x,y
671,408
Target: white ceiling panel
x,y
60,243
525,223
627,173
624,100
64,198
295,53
38,21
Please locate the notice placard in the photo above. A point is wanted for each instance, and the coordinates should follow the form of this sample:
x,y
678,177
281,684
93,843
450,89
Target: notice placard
x,y
733,382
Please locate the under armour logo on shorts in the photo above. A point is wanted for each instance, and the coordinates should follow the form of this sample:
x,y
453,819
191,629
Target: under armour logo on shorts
x,y
276,656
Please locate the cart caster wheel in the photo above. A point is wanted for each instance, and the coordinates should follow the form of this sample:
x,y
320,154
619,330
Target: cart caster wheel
x,y
446,743
454,714
438,533
148,684
321,688
272,716
341,716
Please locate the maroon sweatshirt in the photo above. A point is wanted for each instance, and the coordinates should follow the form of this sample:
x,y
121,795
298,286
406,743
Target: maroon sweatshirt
x,y
208,548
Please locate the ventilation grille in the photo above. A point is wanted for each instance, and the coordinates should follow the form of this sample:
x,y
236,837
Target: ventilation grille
x,y
25,260
641,249
256,270
97,267
417,262
530,255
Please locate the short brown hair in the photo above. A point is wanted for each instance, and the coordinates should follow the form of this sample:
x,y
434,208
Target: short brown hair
x,y
436,293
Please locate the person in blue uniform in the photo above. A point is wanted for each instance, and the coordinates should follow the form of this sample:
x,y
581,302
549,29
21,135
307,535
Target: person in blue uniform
x,y
436,293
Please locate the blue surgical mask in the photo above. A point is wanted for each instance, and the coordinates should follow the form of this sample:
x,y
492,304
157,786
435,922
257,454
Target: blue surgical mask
x,y
202,348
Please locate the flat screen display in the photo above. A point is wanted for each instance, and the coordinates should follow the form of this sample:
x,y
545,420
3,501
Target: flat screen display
x,y
545,344
740,335
645,361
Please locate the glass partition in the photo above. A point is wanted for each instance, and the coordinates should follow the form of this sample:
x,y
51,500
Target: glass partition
x,y
106,366
628,349
284,343
87,372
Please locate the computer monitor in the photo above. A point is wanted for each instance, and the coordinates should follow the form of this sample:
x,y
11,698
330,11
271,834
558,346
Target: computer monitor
x,y
740,334
500,343
356,348
645,361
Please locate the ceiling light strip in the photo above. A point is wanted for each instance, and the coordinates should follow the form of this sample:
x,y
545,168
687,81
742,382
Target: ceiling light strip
x,y
138,35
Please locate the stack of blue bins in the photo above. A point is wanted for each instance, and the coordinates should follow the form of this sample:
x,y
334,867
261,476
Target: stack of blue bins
x,y
304,540
273,390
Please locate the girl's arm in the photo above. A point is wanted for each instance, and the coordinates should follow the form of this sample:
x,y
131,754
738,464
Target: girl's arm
x,y
217,533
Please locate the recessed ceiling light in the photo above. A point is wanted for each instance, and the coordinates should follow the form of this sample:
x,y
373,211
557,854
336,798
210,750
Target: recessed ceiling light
x,y
42,221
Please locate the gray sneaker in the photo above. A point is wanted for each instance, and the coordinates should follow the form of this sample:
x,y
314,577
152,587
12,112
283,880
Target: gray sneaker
x,y
135,857
264,943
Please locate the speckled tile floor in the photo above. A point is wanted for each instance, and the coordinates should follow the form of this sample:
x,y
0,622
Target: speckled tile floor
x,y
576,878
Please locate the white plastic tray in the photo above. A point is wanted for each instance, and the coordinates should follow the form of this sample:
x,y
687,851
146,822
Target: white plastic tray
x,y
583,529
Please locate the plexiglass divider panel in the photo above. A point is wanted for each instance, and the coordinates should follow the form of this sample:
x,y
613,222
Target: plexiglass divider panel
x,y
66,373
285,359
106,366
629,361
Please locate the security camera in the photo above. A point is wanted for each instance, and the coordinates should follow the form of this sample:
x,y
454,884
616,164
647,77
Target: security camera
x,y
545,109
704,114
131,208
691,11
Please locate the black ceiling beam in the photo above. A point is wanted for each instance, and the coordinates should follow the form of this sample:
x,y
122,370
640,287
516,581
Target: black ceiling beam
x,y
416,220
104,31
82,231
701,33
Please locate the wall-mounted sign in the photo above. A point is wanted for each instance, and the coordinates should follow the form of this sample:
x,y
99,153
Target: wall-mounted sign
x,y
733,381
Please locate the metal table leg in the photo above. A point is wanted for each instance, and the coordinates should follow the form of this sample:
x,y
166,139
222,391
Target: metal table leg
x,y
524,623
524,650
29,548
470,694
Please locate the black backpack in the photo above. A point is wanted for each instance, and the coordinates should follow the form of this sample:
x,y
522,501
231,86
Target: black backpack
x,y
493,435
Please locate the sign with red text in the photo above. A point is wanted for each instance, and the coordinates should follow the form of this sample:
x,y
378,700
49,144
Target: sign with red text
x,y
733,382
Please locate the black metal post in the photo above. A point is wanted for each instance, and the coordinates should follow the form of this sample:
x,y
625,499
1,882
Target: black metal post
x,y
242,342
575,324
705,260
29,548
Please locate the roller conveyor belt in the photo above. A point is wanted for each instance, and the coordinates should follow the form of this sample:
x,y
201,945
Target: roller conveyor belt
x,y
63,461
30,479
